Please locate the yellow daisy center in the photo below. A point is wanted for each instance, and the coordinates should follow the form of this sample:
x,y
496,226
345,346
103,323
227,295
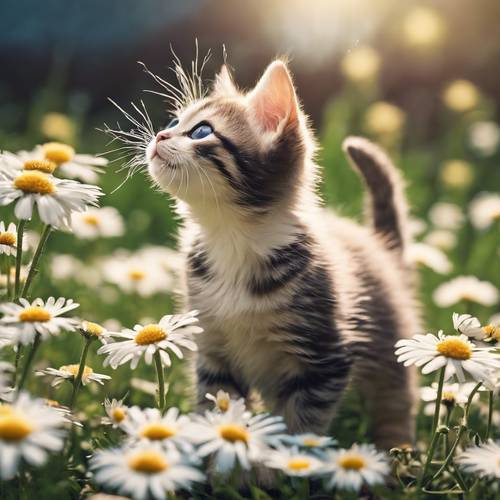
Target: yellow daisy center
x,y
233,433
91,219
8,239
13,427
35,314
148,461
58,152
53,403
34,182
310,442
454,348
223,405
352,461
492,331
73,370
157,431
44,166
92,328
150,334
136,274
118,414
299,463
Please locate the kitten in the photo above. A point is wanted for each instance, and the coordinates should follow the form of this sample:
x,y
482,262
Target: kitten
x,y
295,302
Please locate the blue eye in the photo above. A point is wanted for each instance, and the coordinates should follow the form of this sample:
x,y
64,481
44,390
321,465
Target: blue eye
x,y
201,131
173,122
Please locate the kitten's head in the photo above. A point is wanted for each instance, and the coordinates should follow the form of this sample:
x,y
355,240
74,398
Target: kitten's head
x,y
245,151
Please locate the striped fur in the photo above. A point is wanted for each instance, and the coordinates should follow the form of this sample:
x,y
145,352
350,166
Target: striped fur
x,y
296,302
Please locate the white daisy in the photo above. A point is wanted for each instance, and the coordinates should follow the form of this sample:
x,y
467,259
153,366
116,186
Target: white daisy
x,y
293,462
484,137
452,395
468,325
358,465
222,401
421,254
446,215
69,372
168,429
454,352
136,274
465,288
116,411
234,436
6,279
55,157
144,471
482,460
29,429
444,239
171,333
56,199
105,222
6,389
309,441
484,210
41,317
8,239
95,331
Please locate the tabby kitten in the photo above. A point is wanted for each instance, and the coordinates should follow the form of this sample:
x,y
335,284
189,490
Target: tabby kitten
x,y
295,302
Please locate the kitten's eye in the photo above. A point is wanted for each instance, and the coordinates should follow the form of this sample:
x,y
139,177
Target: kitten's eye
x,y
173,122
201,131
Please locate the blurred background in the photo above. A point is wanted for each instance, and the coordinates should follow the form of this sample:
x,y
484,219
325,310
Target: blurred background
x,y
421,78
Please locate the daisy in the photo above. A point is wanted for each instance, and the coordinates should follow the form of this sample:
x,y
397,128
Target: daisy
x,y
136,274
169,334
350,468
29,429
116,411
484,137
144,471
95,331
150,425
56,199
422,254
41,317
482,460
453,352
446,215
222,401
484,210
6,389
8,239
234,436
309,441
293,462
69,372
453,395
104,222
466,288
470,326
443,239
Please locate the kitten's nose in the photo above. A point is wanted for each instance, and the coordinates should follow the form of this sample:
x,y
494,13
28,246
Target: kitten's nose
x,y
161,136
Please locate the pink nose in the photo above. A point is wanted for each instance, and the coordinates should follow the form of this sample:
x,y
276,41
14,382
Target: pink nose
x,y
161,136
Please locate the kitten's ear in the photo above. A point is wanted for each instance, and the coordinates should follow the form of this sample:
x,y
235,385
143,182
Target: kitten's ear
x,y
273,100
223,83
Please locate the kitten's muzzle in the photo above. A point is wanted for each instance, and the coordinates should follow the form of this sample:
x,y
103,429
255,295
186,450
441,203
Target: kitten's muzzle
x,y
160,136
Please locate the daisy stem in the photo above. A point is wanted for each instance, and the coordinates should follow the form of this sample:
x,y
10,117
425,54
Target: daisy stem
x,y
161,381
435,423
29,360
7,276
78,379
36,257
19,256
490,415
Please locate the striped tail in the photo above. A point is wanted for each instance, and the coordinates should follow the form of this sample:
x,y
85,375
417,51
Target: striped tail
x,y
386,199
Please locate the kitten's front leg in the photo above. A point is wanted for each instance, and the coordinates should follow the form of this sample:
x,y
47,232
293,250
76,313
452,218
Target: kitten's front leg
x,y
213,374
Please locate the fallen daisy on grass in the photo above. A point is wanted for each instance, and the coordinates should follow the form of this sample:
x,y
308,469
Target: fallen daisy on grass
x,y
293,462
56,199
8,239
456,353
482,460
169,335
358,465
144,471
69,372
27,319
234,436
29,429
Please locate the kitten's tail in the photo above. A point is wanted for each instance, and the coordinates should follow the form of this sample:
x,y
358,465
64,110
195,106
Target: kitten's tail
x,y
386,198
